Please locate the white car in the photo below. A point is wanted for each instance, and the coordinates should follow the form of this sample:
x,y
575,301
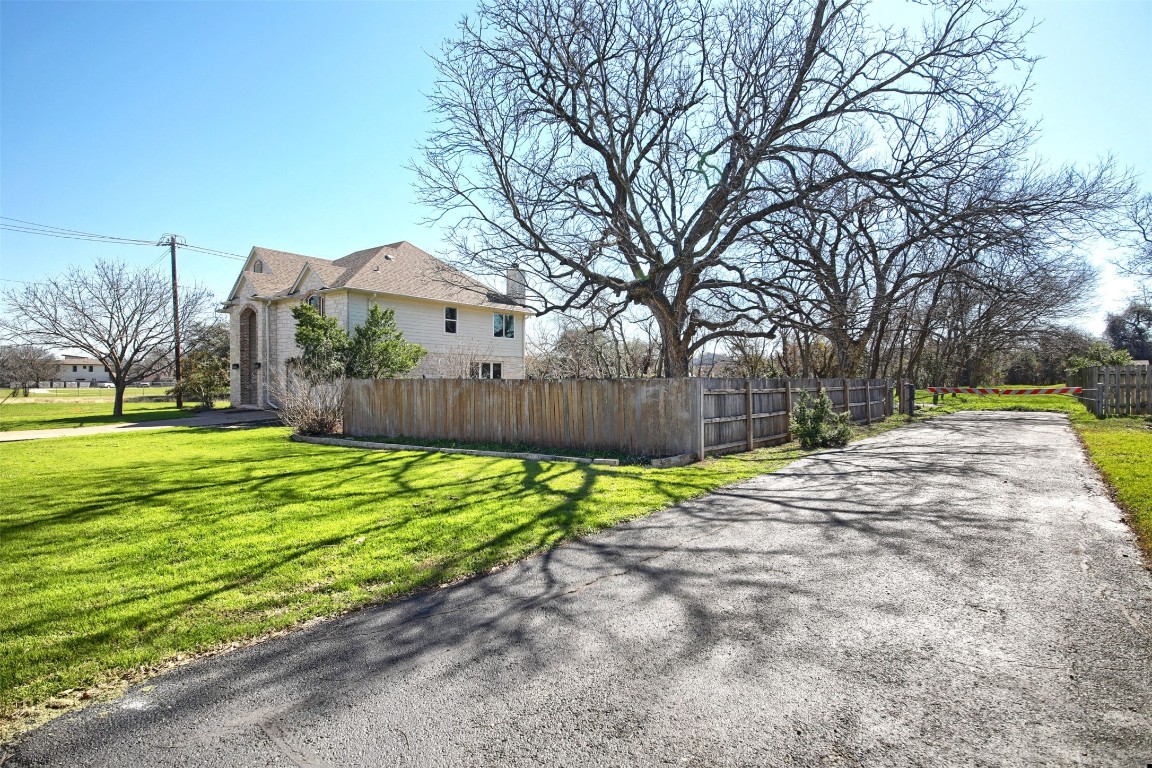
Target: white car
x,y
104,385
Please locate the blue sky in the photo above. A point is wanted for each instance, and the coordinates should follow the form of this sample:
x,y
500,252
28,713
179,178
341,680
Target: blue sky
x,y
287,124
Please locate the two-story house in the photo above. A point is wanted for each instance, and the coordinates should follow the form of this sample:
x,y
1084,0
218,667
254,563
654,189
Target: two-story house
x,y
82,369
467,328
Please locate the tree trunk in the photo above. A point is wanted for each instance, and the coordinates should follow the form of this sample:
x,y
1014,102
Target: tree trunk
x,y
118,403
673,345
676,362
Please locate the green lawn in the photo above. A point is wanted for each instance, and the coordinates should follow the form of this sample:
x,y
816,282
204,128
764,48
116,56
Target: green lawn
x,y
1120,446
87,393
121,551
58,415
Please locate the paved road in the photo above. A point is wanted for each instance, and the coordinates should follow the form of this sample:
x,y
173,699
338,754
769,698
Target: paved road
x,y
959,592
207,419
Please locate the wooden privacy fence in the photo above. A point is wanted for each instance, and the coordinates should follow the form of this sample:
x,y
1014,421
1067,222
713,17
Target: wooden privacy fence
x,y
1114,389
742,414
638,417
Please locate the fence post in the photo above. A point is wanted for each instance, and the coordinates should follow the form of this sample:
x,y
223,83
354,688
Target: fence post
x,y
700,421
867,401
889,397
1099,392
748,405
788,408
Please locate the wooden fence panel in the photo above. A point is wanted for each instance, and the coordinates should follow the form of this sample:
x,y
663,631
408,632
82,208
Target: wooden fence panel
x,y
726,415
644,417
640,417
1115,389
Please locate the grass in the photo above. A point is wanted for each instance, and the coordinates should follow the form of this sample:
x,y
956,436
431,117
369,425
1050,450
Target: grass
x,y
623,458
122,551
88,393
59,415
1121,447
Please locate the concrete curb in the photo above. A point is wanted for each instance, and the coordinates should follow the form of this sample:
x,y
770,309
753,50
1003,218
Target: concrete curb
x,y
343,443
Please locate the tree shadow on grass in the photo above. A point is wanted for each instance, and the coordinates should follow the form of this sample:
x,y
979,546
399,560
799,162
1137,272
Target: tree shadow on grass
x,y
531,506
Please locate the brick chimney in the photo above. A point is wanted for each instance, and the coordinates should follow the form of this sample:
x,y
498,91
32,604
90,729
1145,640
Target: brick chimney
x,y
516,284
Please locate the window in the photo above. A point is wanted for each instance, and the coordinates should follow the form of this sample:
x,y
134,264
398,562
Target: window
x,y
504,326
486,371
449,319
317,303
73,369
258,266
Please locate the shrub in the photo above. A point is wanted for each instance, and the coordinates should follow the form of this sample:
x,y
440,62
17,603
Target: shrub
x,y
310,406
816,425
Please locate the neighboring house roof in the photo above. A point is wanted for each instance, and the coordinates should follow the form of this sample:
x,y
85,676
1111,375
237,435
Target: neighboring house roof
x,y
77,360
400,269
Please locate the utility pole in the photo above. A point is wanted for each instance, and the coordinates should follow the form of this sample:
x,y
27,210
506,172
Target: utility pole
x,y
171,241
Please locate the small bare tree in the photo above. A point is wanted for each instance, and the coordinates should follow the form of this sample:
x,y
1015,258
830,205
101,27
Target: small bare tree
x,y
26,365
1139,261
119,315
749,358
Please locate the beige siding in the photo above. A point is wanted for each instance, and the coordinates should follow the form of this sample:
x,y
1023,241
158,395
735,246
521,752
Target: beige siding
x,y
357,310
449,354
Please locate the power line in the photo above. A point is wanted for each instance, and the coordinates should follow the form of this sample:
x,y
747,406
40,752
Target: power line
x,y
88,238
213,252
33,226
47,230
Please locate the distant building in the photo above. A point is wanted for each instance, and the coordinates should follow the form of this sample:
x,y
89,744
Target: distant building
x,y
75,368
468,328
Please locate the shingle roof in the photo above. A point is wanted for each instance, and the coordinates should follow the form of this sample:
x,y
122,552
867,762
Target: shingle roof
x,y
400,269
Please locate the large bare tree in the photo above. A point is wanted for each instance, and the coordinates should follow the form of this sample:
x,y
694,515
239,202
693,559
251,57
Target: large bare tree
x,y
637,152
120,315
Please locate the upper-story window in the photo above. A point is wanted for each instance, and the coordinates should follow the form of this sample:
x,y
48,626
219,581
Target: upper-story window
x,y
449,319
504,326
317,303
258,266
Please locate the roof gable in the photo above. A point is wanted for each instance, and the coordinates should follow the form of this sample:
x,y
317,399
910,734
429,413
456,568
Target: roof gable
x,y
399,269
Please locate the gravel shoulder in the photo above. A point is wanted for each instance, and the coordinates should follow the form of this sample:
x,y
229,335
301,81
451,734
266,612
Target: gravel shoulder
x,y
957,591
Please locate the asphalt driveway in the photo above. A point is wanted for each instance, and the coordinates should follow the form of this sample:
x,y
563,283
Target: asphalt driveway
x,y
959,592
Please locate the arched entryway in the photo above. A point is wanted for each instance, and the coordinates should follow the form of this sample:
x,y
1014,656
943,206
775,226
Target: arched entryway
x,y
249,350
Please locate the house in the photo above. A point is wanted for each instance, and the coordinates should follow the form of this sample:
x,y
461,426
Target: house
x,y
82,370
467,328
